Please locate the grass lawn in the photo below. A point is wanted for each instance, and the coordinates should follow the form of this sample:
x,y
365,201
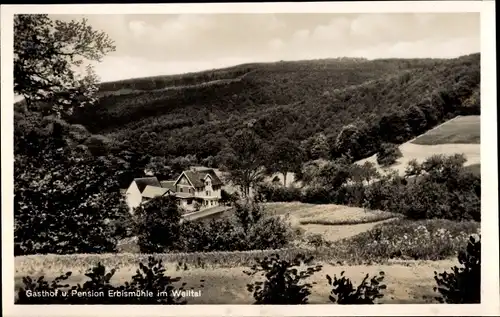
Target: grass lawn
x,y
465,129
327,214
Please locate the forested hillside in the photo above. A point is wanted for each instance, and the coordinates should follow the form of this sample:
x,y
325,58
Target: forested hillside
x,y
391,100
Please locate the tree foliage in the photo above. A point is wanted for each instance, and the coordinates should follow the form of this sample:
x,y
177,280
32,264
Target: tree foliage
x,y
66,193
463,284
286,156
385,101
388,154
343,291
244,159
284,283
158,224
65,199
48,59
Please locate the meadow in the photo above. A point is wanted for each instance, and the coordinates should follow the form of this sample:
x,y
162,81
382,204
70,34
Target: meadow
x,y
460,130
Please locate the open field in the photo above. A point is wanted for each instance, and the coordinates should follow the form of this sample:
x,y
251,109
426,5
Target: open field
x,y
407,281
327,214
448,132
332,222
460,130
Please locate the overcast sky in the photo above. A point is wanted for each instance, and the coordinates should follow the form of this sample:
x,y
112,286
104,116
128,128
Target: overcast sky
x,y
149,45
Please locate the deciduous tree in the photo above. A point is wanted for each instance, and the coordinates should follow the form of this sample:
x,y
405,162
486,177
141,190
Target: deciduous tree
x,y
51,61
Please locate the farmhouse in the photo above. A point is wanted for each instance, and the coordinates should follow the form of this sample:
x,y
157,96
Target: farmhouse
x,y
196,189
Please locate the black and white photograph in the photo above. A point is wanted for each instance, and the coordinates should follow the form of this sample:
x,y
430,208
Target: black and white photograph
x,y
341,158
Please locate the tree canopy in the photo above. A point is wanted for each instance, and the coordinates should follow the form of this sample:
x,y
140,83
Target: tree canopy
x,y
51,61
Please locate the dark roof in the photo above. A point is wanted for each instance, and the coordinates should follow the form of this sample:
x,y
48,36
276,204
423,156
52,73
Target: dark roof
x,y
145,181
168,184
197,177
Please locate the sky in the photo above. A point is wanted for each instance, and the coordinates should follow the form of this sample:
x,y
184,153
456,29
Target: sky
x,y
151,45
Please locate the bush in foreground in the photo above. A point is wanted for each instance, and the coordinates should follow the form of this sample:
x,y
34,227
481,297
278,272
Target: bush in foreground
x,y
343,291
462,285
283,281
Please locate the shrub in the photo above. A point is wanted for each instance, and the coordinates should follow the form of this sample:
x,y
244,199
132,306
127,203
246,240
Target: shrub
x,y
388,154
269,233
462,285
151,278
408,239
273,192
250,228
228,198
282,285
343,291
158,225
317,195
156,288
441,188
248,213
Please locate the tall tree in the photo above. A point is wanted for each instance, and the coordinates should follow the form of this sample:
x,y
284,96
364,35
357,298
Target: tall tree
x,y
244,159
64,202
51,61
347,142
158,225
320,148
286,156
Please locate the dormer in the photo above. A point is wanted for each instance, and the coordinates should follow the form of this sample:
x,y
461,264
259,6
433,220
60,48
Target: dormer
x,y
208,181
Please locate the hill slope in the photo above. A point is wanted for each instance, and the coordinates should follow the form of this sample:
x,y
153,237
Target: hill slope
x,y
197,113
461,135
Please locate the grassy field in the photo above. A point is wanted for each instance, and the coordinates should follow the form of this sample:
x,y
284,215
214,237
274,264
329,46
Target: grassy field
x,y
461,130
461,135
332,222
327,214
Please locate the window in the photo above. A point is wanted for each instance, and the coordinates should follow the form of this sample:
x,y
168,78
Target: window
x,y
182,189
206,192
189,201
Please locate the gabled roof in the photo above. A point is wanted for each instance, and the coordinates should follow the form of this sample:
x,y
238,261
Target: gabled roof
x,y
154,191
197,178
168,184
145,181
